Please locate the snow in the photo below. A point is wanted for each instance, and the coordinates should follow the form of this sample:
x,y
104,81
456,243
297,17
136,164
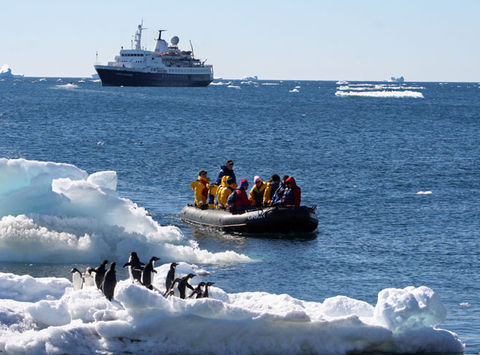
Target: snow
x,y
41,319
54,212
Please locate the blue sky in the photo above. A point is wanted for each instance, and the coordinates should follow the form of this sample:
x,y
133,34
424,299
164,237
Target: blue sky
x,y
306,40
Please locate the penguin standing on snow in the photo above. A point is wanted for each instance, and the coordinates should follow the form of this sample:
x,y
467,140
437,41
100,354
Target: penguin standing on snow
x,y
198,290
134,267
170,277
109,282
170,291
205,292
77,279
148,271
183,284
99,273
88,278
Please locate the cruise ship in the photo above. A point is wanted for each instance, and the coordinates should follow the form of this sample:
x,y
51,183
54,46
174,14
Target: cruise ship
x,y
165,66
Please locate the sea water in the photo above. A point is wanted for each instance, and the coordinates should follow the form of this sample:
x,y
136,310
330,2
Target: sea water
x,y
392,169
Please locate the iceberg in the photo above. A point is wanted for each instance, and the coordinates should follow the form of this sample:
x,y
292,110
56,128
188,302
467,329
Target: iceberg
x,y
6,72
140,320
56,212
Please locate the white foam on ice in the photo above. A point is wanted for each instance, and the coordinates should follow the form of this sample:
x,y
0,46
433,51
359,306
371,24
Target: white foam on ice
x,y
142,321
381,94
53,212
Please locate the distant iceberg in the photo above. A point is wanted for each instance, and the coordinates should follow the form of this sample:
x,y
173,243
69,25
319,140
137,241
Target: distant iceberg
x,y
247,78
396,80
6,72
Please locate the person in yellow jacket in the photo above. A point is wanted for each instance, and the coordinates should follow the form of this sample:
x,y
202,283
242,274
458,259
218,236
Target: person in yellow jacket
x,y
200,188
257,192
225,191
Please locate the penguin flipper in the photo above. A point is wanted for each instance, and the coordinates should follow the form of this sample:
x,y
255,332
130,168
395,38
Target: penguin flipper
x,y
127,264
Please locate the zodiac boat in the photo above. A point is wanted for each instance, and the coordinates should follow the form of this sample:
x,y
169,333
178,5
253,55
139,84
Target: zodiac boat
x,y
275,219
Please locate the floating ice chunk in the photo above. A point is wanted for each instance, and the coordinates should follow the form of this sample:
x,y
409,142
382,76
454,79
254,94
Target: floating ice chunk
x,y
424,192
410,308
234,87
381,94
58,213
294,90
140,320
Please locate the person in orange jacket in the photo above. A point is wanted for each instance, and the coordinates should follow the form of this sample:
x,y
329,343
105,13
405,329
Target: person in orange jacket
x,y
200,188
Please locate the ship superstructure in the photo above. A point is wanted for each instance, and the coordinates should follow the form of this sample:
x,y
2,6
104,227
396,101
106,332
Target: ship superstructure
x,y
167,65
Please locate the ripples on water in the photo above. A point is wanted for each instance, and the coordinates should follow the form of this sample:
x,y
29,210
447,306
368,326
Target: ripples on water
x,y
362,160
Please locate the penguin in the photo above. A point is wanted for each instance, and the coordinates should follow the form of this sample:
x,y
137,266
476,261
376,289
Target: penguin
x,y
134,267
109,282
205,292
170,276
148,271
88,278
183,284
198,290
170,291
99,273
77,279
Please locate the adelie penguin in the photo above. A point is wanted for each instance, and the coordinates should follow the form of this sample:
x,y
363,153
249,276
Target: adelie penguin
x,y
198,290
77,279
148,271
88,278
183,284
170,277
99,273
109,282
135,267
205,292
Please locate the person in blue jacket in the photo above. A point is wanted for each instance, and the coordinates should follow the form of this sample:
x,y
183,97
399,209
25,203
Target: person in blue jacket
x,y
226,169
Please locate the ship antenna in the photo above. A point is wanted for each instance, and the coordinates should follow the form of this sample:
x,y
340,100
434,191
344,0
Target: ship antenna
x,y
191,47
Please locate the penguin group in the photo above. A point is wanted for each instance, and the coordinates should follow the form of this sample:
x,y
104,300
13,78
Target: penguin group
x,y
106,280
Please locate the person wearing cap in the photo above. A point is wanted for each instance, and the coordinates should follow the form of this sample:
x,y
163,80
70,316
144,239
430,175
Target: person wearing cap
x,y
272,185
200,188
224,191
257,192
292,195
226,169
278,195
238,200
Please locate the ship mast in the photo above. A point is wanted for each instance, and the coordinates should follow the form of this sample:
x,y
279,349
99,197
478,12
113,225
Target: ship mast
x,y
138,37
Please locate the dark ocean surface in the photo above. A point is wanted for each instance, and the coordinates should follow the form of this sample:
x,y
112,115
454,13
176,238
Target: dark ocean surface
x,y
396,179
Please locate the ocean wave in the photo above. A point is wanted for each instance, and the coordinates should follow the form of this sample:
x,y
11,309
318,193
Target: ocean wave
x,y
53,212
140,320
270,84
381,94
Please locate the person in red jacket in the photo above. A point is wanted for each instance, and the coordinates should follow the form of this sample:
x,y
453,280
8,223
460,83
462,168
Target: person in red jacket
x,y
238,201
292,195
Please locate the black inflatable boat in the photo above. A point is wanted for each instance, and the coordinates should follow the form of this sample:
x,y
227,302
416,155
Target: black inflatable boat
x,y
276,219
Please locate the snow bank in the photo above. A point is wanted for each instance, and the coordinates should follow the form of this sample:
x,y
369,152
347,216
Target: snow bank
x,y
141,321
52,212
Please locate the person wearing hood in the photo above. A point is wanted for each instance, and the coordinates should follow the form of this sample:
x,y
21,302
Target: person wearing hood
x,y
272,185
226,169
257,192
292,195
224,191
278,195
238,200
200,188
